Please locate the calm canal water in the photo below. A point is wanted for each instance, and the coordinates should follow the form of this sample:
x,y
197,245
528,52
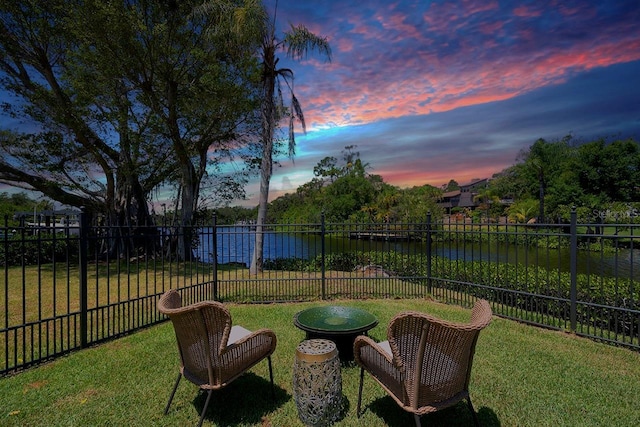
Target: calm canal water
x,y
235,245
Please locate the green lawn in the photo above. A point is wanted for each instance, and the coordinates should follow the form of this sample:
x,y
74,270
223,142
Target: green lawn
x,y
522,376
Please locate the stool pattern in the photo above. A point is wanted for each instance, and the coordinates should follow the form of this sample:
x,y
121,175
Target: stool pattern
x,y
317,382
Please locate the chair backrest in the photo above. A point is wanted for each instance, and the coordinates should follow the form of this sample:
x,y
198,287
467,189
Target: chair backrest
x,y
434,355
202,332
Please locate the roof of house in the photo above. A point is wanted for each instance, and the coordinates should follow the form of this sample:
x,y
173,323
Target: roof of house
x,y
464,195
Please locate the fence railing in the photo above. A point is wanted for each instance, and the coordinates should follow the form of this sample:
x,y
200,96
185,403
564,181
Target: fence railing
x,y
75,286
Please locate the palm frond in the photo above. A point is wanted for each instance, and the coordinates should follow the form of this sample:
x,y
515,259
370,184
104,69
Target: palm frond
x,y
279,111
298,41
296,111
285,73
242,25
251,15
292,138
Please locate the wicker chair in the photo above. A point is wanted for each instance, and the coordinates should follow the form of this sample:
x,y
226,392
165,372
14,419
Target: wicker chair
x,y
425,365
212,352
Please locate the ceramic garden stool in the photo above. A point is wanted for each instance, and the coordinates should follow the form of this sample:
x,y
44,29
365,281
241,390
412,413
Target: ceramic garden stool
x,y
317,382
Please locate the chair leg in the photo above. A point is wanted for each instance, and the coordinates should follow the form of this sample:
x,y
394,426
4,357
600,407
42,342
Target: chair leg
x,y
476,422
173,392
273,389
206,405
417,418
360,391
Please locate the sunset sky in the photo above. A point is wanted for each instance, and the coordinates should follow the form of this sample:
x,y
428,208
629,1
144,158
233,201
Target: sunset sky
x,y
431,91
436,90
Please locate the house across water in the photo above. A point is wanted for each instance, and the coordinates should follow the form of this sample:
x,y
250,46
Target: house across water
x,y
464,197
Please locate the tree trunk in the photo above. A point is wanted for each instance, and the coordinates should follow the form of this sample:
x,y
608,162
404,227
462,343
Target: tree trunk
x,y
127,207
265,178
190,188
266,165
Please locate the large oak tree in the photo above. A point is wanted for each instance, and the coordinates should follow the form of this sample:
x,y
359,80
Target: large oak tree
x,y
116,98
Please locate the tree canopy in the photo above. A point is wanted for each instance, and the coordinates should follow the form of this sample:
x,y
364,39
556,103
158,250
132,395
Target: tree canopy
x,y
567,173
117,99
349,193
10,204
592,177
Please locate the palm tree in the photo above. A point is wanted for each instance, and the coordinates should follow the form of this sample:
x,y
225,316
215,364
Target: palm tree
x,y
523,210
296,43
486,197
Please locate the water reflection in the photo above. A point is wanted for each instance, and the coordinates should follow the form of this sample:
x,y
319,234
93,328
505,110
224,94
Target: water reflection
x,y
235,245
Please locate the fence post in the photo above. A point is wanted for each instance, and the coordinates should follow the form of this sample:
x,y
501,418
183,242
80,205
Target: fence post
x,y
82,268
214,254
322,252
574,271
429,281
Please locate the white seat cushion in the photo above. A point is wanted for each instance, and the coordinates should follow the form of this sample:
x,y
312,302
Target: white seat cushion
x,y
386,347
237,333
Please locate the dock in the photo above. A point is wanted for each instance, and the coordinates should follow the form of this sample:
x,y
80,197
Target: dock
x,y
380,236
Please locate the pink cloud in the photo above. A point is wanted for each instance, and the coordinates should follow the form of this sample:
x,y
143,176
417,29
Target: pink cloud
x,y
565,10
397,23
490,27
379,93
429,171
526,12
343,44
452,16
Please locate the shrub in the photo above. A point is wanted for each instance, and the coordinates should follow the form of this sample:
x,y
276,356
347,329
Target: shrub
x,y
536,288
42,248
286,264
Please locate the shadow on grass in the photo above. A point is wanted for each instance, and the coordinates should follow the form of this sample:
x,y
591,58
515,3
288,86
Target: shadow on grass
x,y
458,415
247,400
345,405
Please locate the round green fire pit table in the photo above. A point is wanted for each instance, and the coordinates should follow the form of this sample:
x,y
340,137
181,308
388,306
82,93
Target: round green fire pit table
x,y
339,324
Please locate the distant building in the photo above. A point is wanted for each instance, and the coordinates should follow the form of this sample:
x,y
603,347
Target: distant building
x,y
463,197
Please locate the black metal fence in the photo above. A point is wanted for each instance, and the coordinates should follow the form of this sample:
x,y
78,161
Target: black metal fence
x,y
69,287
